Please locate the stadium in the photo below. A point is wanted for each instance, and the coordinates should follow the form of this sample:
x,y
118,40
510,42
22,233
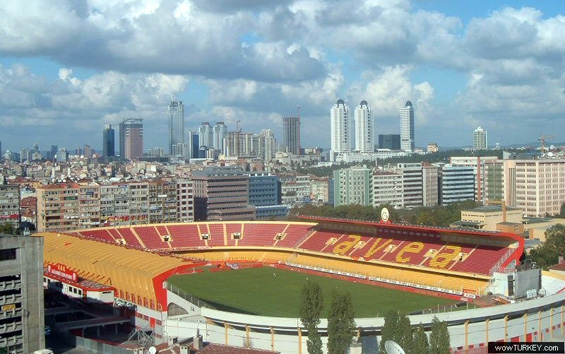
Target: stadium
x,y
151,273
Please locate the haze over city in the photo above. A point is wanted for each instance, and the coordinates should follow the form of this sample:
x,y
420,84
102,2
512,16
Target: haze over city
x,y
67,70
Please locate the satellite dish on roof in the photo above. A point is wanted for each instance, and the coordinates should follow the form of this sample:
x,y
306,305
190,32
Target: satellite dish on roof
x,y
393,348
153,350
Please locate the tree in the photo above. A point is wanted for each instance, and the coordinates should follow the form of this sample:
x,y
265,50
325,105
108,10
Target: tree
x,y
9,229
397,328
420,344
341,323
548,254
439,337
311,305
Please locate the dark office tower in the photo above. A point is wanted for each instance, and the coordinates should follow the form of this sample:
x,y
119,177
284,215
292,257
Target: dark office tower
x,y
53,152
131,138
291,135
108,145
389,141
176,124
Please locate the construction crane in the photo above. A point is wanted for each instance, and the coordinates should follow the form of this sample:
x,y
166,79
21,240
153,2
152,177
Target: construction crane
x,y
542,139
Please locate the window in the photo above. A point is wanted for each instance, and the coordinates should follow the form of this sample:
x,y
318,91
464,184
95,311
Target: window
x,y
8,254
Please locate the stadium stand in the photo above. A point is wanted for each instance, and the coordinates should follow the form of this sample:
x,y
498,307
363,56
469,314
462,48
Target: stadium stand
x,y
217,235
185,236
150,237
260,234
131,239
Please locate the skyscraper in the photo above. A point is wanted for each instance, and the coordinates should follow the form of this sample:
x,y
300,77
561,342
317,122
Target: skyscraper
x,y
291,135
220,132
108,145
131,138
364,140
205,135
407,127
176,124
339,129
479,139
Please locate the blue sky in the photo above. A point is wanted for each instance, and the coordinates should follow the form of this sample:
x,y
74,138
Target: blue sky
x,y
66,71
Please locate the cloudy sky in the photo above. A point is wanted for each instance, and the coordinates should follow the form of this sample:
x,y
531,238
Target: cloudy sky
x,y
67,70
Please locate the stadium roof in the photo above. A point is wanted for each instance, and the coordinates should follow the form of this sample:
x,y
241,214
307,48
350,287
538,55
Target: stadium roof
x,y
134,271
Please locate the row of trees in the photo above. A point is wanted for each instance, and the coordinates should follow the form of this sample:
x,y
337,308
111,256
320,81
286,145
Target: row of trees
x,y
414,340
341,323
429,216
341,326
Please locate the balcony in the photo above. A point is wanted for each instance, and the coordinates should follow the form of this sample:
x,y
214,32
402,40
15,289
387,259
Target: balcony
x,y
10,327
10,314
11,285
15,340
10,299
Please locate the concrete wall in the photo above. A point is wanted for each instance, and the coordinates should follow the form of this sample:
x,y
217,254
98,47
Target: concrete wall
x,y
535,319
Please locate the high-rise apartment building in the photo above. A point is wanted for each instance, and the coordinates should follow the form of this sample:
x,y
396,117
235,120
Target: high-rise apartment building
x,y
364,134
339,129
131,138
205,135
430,176
266,145
407,127
220,132
291,135
411,184
387,189
176,125
185,201
108,141
22,327
479,139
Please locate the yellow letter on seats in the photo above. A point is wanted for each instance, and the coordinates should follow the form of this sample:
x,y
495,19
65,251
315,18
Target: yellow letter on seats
x,y
376,248
343,247
412,247
440,260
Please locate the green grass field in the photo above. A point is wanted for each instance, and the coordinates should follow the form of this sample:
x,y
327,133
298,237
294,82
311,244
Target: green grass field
x,y
257,291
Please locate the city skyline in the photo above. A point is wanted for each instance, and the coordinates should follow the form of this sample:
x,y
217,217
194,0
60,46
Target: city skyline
x,y
73,69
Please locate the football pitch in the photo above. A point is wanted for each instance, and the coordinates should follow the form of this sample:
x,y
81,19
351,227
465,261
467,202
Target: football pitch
x,y
268,291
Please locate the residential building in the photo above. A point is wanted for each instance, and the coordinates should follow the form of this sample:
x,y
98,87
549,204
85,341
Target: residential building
x,y
456,184
353,185
89,205
291,135
114,204
185,201
58,207
206,136
108,142
479,139
220,132
364,134
295,189
389,141
176,125
139,203
535,186
162,202
430,176
266,145
10,204
407,127
221,193
131,138
320,189
340,130
21,292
